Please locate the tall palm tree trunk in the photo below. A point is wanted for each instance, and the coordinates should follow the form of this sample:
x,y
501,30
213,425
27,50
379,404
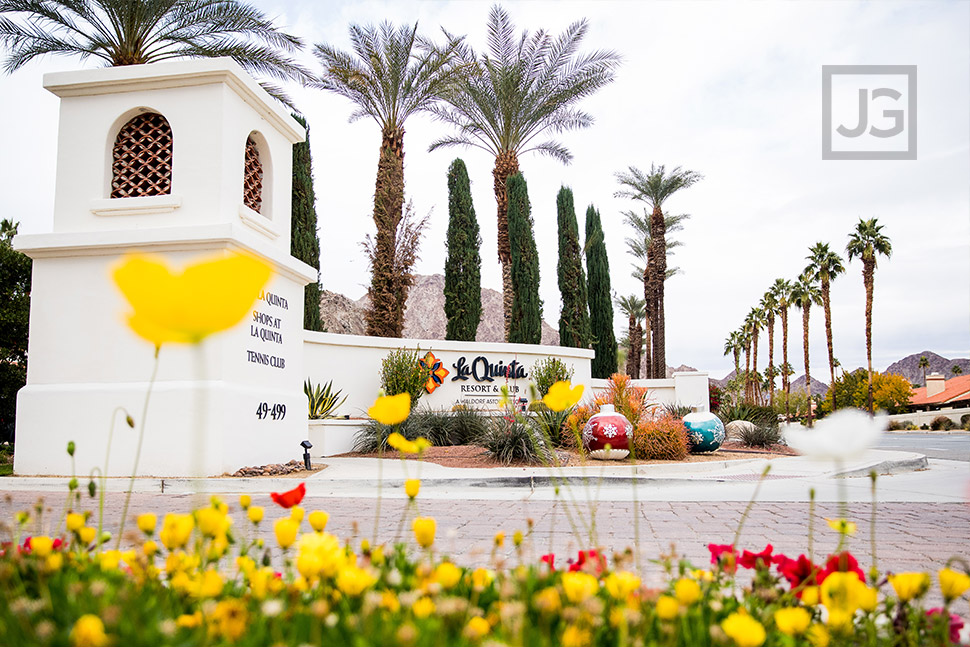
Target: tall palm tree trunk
x,y
506,164
755,383
635,337
826,306
868,277
747,371
771,361
737,361
808,376
385,317
647,323
658,272
785,386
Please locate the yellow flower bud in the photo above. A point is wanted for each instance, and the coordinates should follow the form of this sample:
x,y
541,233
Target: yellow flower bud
x,y
687,591
74,521
146,523
245,501
41,546
255,513
88,631
87,534
318,520
296,513
286,530
667,607
424,529
792,621
411,487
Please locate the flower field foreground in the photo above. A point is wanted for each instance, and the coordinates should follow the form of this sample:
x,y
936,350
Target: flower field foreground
x,y
196,580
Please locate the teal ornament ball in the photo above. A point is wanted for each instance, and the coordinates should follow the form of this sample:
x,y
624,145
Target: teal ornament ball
x,y
705,431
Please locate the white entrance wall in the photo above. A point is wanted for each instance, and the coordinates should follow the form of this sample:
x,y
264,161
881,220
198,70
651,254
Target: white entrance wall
x,y
84,361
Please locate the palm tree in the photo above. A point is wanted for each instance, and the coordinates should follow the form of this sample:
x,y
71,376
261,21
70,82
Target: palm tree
x,y
391,74
753,323
867,242
132,32
804,294
769,307
781,289
734,343
655,188
955,369
639,247
632,307
825,265
924,364
518,90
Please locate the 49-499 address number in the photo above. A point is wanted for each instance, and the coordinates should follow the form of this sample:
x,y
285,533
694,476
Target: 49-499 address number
x,y
275,412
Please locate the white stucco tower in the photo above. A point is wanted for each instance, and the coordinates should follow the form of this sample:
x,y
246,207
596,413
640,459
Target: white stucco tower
x,y
187,160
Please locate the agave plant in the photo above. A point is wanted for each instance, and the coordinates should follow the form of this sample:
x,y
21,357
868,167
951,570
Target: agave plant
x,y
323,400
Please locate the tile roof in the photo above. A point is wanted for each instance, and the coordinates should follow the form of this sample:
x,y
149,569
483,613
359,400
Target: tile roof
x,y
956,388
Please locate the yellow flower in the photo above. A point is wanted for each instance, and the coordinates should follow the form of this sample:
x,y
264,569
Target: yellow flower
x,y
318,520
411,487
840,620
481,577
185,307
953,584
579,586
402,444
561,396
87,534
687,591
422,444
390,601
744,630
255,513
55,561
547,601
477,628
424,529
868,599
109,560
447,575
74,521
230,618
667,607
818,636
189,621
517,538
296,513
573,636
212,522
792,621
842,592
41,545
909,585
286,530
423,608
147,522
499,539
88,631
353,581
621,584
245,501
210,584
810,596
391,409
149,548
176,529
842,526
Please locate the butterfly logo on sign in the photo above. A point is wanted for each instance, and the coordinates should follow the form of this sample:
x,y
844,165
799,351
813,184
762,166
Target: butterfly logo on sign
x,y
438,372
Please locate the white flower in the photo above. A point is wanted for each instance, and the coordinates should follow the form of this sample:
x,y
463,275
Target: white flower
x,y
272,608
844,434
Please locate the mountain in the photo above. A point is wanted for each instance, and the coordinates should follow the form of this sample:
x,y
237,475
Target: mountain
x,y
818,388
909,368
424,313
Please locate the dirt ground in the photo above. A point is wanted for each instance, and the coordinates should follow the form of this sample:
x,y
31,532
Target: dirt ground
x,y
475,456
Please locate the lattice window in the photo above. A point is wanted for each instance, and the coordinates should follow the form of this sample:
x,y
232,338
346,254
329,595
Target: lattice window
x,y
253,178
142,158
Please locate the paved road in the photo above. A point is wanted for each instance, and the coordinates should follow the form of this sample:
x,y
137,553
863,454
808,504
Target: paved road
x,y
948,446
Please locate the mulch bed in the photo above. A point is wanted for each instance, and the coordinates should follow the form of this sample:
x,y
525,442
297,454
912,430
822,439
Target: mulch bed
x,y
475,456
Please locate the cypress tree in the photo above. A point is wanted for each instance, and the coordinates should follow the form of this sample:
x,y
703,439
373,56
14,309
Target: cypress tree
x,y
463,280
304,243
526,324
574,328
600,301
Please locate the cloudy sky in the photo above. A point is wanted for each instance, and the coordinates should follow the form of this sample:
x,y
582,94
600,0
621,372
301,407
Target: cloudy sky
x,y
731,90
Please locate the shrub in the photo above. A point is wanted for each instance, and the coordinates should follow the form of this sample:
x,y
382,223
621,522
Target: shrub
x,y
942,423
924,427
552,425
662,438
513,440
547,372
896,425
442,428
750,412
630,401
402,372
466,426
965,421
714,396
761,435
323,400
676,409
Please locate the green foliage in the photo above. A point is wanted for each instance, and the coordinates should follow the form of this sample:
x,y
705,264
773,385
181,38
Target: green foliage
x,y
402,372
547,371
890,392
463,283
574,326
442,428
304,242
323,401
729,412
761,435
513,440
942,423
526,322
15,274
676,409
965,421
552,424
663,438
600,297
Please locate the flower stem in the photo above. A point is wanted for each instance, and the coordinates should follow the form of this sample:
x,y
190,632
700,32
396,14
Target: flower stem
x,y
141,438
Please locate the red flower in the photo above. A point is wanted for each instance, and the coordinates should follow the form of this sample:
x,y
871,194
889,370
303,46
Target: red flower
x,y
842,562
724,556
760,560
549,559
956,623
291,498
597,561
797,571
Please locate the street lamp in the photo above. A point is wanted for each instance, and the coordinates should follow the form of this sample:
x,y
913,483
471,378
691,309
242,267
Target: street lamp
x,y
306,445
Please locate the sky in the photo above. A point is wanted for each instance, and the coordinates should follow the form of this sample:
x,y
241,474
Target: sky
x,y
732,90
